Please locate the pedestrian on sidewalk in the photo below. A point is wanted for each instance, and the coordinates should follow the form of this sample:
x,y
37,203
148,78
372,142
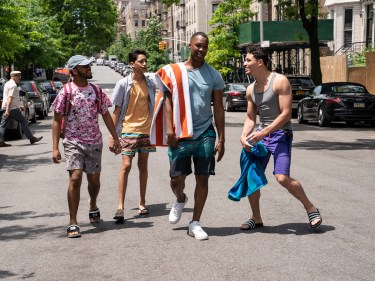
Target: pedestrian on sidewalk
x,y
271,96
188,89
13,109
81,102
134,100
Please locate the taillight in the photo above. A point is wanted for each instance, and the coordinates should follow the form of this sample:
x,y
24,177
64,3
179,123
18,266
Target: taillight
x,y
234,94
35,90
53,86
333,100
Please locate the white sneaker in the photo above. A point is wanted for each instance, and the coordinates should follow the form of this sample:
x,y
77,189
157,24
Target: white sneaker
x,y
195,230
176,211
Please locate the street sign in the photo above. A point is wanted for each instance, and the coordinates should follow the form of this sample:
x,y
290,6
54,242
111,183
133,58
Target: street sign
x,y
265,44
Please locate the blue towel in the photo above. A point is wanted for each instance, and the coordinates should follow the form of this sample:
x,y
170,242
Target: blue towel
x,y
252,174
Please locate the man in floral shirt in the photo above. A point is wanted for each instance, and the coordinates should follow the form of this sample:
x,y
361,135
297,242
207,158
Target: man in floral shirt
x,y
82,139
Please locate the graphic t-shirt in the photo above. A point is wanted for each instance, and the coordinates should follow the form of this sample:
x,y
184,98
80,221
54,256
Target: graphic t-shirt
x,y
82,125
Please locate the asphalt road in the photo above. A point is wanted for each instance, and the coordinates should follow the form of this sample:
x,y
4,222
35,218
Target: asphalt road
x,y
335,166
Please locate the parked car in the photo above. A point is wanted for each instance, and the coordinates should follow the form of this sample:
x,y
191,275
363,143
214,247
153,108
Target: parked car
x,y
234,96
58,85
61,74
126,70
119,67
338,101
14,130
301,88
100,62
151,76
50,87
39,96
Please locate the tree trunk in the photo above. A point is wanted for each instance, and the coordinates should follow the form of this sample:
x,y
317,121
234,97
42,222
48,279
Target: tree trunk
x,y
311,27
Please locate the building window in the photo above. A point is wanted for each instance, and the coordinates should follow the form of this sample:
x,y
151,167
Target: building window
x,y
214,7
348,27
369,24
143,23
136,23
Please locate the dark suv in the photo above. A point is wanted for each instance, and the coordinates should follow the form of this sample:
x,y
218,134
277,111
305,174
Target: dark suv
x,y
39,96
301,87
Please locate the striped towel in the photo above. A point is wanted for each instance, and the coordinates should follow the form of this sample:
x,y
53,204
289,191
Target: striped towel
x,y
173,78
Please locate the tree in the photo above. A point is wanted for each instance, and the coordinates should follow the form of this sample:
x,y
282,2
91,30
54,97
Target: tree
x,y
88,26
43,45
223,37
121,47
147,39
308,12
170,2
12,41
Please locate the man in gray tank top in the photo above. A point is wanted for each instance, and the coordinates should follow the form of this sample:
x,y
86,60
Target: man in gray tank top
x,y
271,96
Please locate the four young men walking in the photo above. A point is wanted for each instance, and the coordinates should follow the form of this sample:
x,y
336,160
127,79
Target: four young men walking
x,y
179,116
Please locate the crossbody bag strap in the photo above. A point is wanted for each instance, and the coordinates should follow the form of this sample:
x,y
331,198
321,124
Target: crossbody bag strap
x,y
68,106
98,96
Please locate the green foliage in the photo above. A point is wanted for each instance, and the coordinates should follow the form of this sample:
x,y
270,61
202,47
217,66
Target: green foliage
x,y
290,9
359,58
121,47
87,26
223,38
12,41
42,38
169,2
147,39
221,50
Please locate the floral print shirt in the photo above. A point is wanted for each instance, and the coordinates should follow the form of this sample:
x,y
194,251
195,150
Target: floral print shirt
x,y
82,125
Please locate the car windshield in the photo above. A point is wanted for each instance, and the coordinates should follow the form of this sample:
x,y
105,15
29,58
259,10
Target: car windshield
x,y
27,87
239,88
348,89
47,85
306,82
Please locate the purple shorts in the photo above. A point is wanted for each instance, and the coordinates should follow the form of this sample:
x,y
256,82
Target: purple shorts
x,y
279,144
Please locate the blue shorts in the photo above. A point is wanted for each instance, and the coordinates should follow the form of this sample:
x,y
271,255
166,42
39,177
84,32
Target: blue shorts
x,y
279,144
201,149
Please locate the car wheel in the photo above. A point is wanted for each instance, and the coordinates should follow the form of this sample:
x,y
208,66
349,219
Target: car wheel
x,y
41,115
17,134
27,114
228,108
350,123
33,120
300,118
322,119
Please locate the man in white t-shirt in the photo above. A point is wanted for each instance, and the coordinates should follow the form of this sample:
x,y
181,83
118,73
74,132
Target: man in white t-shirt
x,y
12,109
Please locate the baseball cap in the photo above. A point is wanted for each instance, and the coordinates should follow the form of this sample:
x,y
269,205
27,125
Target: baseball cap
x,y
16,72
77,60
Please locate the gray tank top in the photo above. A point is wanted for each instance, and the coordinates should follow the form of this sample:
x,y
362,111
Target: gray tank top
x,y
268,105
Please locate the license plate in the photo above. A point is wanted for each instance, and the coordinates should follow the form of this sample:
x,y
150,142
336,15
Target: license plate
x,y
300,92
359,105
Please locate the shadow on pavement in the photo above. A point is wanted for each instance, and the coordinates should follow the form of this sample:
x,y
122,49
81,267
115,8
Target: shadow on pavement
x,y
289,228
15,232
28,215
326,145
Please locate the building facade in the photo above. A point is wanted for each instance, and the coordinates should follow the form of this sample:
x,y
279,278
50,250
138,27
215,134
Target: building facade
x,y
180,21
353,25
